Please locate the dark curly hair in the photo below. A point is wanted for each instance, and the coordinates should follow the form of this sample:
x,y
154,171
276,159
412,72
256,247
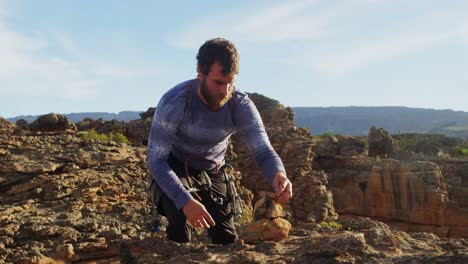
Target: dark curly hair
x,y
218,50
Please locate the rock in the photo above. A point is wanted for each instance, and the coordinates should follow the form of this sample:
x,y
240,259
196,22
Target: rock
x,y
381,144
330,146
455,172
295,147
135,131
326,147
53,123
65,200
6,127
269,226
350,146
267,207
45,183
411,192
66,252
148,114
275,229
22,124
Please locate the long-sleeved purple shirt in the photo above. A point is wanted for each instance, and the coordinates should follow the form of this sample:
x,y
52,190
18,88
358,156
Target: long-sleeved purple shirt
x,y
199,132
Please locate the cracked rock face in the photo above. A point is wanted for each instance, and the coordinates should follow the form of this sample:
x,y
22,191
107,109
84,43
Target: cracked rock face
x,y
64,200
382,144
6,127
314,202
363,241
57,190
413,195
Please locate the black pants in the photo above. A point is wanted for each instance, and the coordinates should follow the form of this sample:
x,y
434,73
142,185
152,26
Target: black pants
x,y
179,229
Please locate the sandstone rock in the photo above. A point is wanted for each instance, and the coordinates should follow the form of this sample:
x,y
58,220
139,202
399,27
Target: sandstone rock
x,y
326,147
269,226
349,145
65,252
382,144
43,191
455,172
275,229
267,207
339,247
148,114
412,192
87,204
295,147
6,127
22,123
53,123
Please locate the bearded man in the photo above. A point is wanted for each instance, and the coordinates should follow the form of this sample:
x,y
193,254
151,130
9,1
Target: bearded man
x,y
189,137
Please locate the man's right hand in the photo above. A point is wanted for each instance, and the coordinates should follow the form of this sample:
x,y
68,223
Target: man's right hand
x,y
197,215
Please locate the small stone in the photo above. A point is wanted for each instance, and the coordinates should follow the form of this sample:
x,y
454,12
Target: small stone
x,y
65,251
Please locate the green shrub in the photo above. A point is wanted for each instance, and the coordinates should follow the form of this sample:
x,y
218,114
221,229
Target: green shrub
x,y
332,224
461,152
365,141
247,216
409,142
119,138
325,135
93,135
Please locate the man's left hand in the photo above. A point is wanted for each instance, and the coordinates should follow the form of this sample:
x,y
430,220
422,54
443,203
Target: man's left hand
x,y
282,186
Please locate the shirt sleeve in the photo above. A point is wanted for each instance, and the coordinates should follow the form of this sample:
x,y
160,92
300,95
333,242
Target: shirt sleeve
x,y
166,120
249,123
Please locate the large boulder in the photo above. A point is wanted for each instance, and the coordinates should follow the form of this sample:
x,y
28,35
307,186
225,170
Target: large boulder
x,y
6,127
148,114
53,123
381,144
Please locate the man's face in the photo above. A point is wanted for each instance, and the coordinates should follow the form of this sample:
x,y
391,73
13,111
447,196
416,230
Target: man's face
x,y
216,88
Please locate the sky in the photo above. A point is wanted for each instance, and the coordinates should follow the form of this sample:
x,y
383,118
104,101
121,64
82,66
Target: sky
x,y
109,56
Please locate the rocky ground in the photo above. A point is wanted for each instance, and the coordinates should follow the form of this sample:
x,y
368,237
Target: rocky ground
x,y
57,190
66,200
419,193
360,240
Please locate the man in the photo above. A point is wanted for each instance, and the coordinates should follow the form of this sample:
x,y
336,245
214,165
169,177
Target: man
x,y
189,134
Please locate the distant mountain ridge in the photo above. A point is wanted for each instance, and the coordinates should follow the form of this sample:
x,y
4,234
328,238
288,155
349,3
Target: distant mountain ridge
x,y
352,120
76,117
356,120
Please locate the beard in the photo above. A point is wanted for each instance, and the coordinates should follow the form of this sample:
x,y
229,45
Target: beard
x,y
213,102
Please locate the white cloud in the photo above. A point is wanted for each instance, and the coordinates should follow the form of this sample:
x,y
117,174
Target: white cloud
x,y
24,73
116,71
318,23
26,70
284,21
279,22
351,52
377,50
